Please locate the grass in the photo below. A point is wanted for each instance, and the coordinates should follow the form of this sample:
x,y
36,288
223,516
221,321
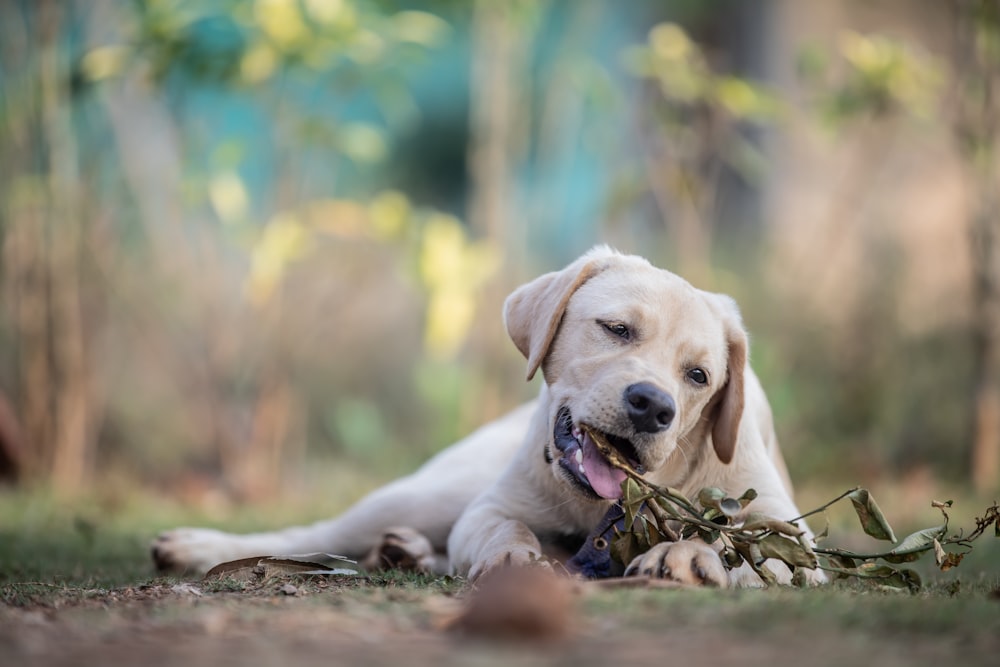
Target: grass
x,y
75,582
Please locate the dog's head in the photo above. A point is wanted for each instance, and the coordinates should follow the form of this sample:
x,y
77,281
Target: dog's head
x,y
635,353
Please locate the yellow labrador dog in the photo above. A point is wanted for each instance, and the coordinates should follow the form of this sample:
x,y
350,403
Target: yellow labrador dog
x,y
626,349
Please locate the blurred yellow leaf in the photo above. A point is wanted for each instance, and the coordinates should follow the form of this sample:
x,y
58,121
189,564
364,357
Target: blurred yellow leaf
x,y
104,62
670,42
865,53
283,240
389,213
259,63
229,197
441,256
893,69
675,61
366,47
334,13
453,269
449,318
282,21
743,100
419,28
362,142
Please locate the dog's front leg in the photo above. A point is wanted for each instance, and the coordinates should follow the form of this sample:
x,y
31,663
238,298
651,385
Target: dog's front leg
x,y
485,538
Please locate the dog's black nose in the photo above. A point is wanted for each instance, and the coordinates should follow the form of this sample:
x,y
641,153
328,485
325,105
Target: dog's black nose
x,y
650,408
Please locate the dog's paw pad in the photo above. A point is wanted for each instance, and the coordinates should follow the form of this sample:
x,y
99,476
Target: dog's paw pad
x,y
691,563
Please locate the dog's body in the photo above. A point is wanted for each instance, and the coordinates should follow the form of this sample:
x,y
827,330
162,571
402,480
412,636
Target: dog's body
x,y
628,350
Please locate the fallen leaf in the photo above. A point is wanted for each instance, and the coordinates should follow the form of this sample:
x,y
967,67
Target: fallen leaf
x,y
265,567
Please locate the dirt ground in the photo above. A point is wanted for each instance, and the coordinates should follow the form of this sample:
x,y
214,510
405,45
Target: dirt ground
x,y
78,588
291,620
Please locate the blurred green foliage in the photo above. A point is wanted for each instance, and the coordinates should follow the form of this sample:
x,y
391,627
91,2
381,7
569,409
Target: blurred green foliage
x,y
253,221
875,75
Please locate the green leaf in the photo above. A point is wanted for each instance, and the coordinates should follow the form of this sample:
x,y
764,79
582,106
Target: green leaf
x,y
653,533
641,530
756,559
676,496
751,555
732,558
710,496
759,521
884,575
632,500
715,498
845,562
625,548
787,551
843,566
631,493
915,544
708,536
872,520
669,508
748,497
890,576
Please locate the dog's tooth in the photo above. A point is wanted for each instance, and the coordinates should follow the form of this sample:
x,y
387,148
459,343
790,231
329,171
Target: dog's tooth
x,y
579,457
582,471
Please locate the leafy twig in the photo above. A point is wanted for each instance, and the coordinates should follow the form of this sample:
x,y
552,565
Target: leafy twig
x,y
752,538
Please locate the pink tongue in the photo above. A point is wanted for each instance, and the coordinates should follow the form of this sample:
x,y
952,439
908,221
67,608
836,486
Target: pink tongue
x,y
604,479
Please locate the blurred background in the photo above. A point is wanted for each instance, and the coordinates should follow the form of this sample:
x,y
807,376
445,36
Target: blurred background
x,y
258,248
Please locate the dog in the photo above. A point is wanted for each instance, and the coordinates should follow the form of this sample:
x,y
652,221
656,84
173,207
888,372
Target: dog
x,y
633,352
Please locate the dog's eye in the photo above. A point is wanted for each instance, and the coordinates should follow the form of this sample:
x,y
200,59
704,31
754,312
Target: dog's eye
x,y
618,329
698,376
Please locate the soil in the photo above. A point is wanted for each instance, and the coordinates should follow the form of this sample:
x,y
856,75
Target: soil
x,y
327,621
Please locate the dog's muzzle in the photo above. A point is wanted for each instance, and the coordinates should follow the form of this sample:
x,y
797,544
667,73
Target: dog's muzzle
x,y
588,469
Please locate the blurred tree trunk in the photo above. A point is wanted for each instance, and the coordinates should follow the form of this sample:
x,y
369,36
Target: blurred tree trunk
x,y
71,445
492,111
684,201
977,64
25,265
273,415
494,116
41,268
26,279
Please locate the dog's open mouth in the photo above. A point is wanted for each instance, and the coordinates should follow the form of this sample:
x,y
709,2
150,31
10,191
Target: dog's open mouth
x,y
582,457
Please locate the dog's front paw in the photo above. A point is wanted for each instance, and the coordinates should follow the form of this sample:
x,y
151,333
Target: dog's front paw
x,y
402,548
692,563
193,549
514,557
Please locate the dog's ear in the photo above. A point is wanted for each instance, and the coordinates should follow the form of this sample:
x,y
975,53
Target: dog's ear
x,y
532,313
729,408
